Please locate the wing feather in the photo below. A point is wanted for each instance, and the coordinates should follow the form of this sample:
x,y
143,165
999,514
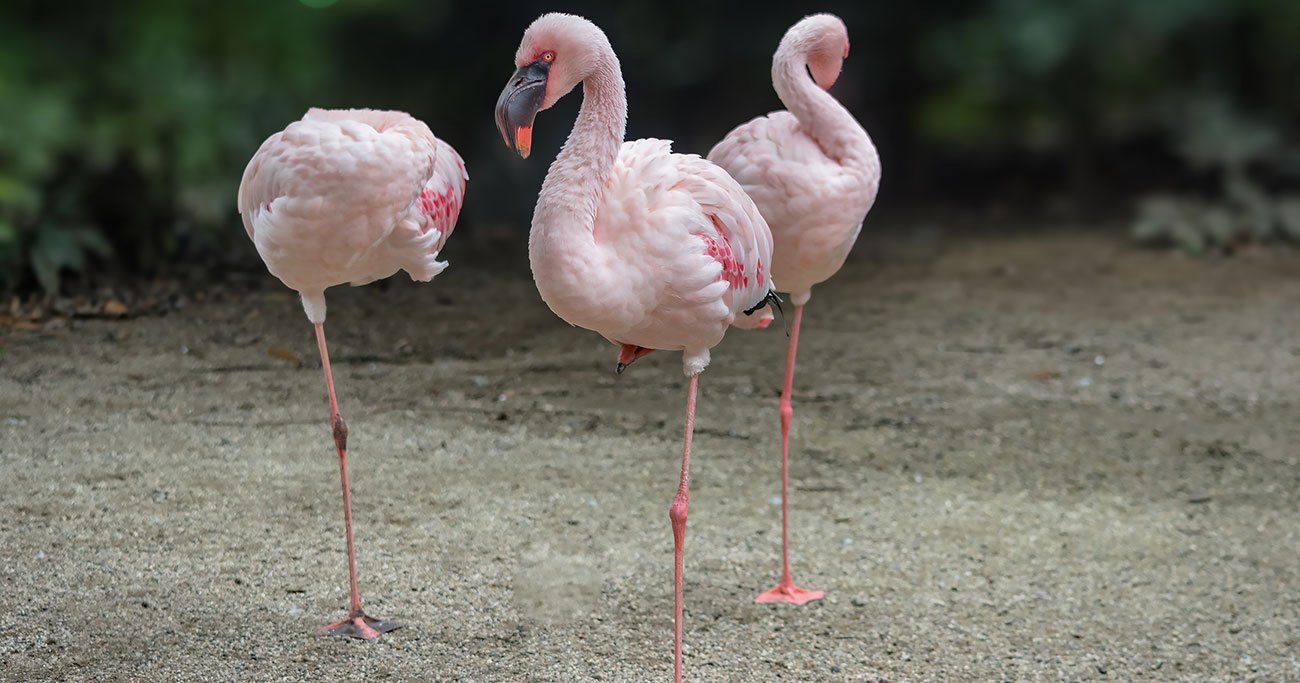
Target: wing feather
x,y
706,242
320,196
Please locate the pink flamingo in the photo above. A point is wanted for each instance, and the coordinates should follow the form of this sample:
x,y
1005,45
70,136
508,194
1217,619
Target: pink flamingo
x,y
651,249
813,172
350,196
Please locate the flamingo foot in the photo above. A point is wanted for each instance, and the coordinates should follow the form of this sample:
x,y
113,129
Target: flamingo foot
x,y
359,625
787,592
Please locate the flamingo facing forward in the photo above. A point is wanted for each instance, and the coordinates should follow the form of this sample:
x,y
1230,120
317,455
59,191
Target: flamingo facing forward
x,y
651,249
813,172
350,196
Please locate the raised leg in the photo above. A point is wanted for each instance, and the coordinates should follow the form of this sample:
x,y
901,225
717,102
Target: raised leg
x,y
358,624
786,591
677,515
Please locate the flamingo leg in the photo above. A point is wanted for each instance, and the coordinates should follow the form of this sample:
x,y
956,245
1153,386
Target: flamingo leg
x,y
358,624
786,591
677,515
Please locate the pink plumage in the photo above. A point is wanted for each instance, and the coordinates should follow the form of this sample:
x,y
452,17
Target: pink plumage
x,y
813,172
350,196
653,250
677,254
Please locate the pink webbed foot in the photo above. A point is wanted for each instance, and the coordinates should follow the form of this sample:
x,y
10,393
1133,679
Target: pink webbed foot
x,y
359,625
787,592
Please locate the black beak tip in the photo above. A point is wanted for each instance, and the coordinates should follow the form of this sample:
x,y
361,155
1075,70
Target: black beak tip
x,y
519,103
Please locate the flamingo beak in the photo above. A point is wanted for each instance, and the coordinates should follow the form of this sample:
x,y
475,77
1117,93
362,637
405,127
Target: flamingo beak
x,y
518,104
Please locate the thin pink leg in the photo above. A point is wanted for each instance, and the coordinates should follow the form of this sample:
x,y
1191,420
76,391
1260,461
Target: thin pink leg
x,y
358,624
677,515
786,591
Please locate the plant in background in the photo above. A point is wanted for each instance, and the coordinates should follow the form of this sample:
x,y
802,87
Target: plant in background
x,y
1057,75
1083,79
1214,137
123,126
34,130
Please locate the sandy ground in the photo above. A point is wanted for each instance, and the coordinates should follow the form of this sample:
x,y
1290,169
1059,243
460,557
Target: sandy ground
x,y
1015,458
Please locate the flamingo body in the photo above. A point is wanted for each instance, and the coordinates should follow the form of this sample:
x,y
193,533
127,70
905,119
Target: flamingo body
x,y
812,170
351,196
814,205
677,253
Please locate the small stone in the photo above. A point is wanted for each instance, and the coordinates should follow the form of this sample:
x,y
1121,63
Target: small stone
x,y
114,308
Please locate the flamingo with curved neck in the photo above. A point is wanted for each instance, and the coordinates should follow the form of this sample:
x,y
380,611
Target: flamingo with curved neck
x,y
813,172
653,250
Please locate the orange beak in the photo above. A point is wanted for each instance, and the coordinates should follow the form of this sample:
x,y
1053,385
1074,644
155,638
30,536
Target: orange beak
x,y
524,140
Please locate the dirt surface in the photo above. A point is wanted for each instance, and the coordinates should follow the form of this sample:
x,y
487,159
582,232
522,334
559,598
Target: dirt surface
x,y
1015,458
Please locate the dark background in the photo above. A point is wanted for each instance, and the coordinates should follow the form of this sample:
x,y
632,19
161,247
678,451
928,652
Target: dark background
x,y
125,126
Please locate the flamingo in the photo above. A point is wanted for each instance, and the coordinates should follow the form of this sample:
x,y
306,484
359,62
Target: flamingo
x,y
350,196
651,249
813,172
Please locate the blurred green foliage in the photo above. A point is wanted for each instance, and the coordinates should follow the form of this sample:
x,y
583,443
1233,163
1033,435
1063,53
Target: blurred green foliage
x,y
128,120
1212,82
1235,147
124,126
1056,73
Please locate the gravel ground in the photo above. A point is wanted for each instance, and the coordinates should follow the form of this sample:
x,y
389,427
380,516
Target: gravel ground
x,y
1036,456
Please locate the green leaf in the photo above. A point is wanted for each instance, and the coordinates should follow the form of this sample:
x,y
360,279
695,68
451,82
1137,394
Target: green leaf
x,y
958,115
58,248
11,270
91,240
56,245
47,272
13,190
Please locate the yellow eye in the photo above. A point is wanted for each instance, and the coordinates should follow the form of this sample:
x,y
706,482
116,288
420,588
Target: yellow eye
x,y
548,56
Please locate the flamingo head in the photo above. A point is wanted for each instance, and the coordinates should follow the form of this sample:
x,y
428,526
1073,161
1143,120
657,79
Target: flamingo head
x,y
825,42
558,51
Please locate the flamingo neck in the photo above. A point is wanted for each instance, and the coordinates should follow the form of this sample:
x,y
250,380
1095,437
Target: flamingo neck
x,y
566,206
838,134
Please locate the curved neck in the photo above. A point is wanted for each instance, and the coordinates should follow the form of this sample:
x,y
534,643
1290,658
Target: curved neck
x,y
821,115
566,205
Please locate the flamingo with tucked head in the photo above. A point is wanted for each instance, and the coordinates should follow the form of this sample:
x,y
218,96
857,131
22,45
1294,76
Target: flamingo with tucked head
x,y
653,250
350,196
813,172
